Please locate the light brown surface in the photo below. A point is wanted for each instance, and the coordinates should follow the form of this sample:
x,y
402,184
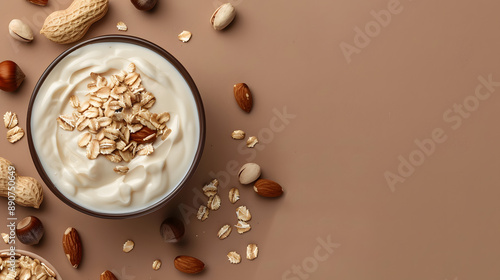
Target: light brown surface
x,y
350,123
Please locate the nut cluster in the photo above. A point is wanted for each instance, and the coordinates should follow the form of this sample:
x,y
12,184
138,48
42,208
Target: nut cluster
x,y
116,118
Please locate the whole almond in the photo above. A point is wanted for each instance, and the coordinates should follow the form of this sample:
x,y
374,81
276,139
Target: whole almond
x,y
144,135
268,188
39,2
243,97
223,16
187,264
72,246
107,275
248,173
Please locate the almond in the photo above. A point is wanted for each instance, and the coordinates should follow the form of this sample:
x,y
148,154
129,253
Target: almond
x,y
267,188
72,246
144,135
107,275
243,97
39,2
188,264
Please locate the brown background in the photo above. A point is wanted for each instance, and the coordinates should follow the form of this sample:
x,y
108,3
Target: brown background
x,y
352,121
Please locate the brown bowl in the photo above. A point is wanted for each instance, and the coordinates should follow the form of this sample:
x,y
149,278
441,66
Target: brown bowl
x,y
199,109
19,253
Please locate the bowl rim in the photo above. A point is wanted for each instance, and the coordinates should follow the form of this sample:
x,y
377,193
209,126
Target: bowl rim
x,y
35,256
201,118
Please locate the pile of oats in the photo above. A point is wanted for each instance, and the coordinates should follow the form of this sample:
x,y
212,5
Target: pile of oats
x,y
115,119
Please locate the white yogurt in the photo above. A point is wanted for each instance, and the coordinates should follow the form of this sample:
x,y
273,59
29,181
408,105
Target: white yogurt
x,y
92,183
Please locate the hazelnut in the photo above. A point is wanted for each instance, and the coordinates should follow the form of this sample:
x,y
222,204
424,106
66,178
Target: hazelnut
x,y
29,230
11,76
172,230
144,5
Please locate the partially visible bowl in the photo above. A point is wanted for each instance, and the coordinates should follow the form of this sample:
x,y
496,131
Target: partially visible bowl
x,y
19,253
91,186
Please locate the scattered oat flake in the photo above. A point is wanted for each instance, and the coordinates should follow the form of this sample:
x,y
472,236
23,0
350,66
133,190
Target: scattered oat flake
x,y
243,227
234,257
211,188
122,170
214,202
10,120
185,36
15,134
121,26
234,195
203,212
156,264
252,251
85,140
252,141
128,246
224,232
243,214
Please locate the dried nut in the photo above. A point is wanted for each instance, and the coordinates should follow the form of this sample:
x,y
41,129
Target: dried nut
x,y
121,26
107,275
223,16
211,188
128,246
268,188
234,257
243,227
252,251
122,170
248,173
188,264
243,97
144,135
11,76
5,238
238,134
15,134
144,5
10,120
29,191
70,25
243,214
39,2
214,202
224,232
203,212
20,31
252,141
72,246
172,230
234,195
184,36
156,264
29,230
